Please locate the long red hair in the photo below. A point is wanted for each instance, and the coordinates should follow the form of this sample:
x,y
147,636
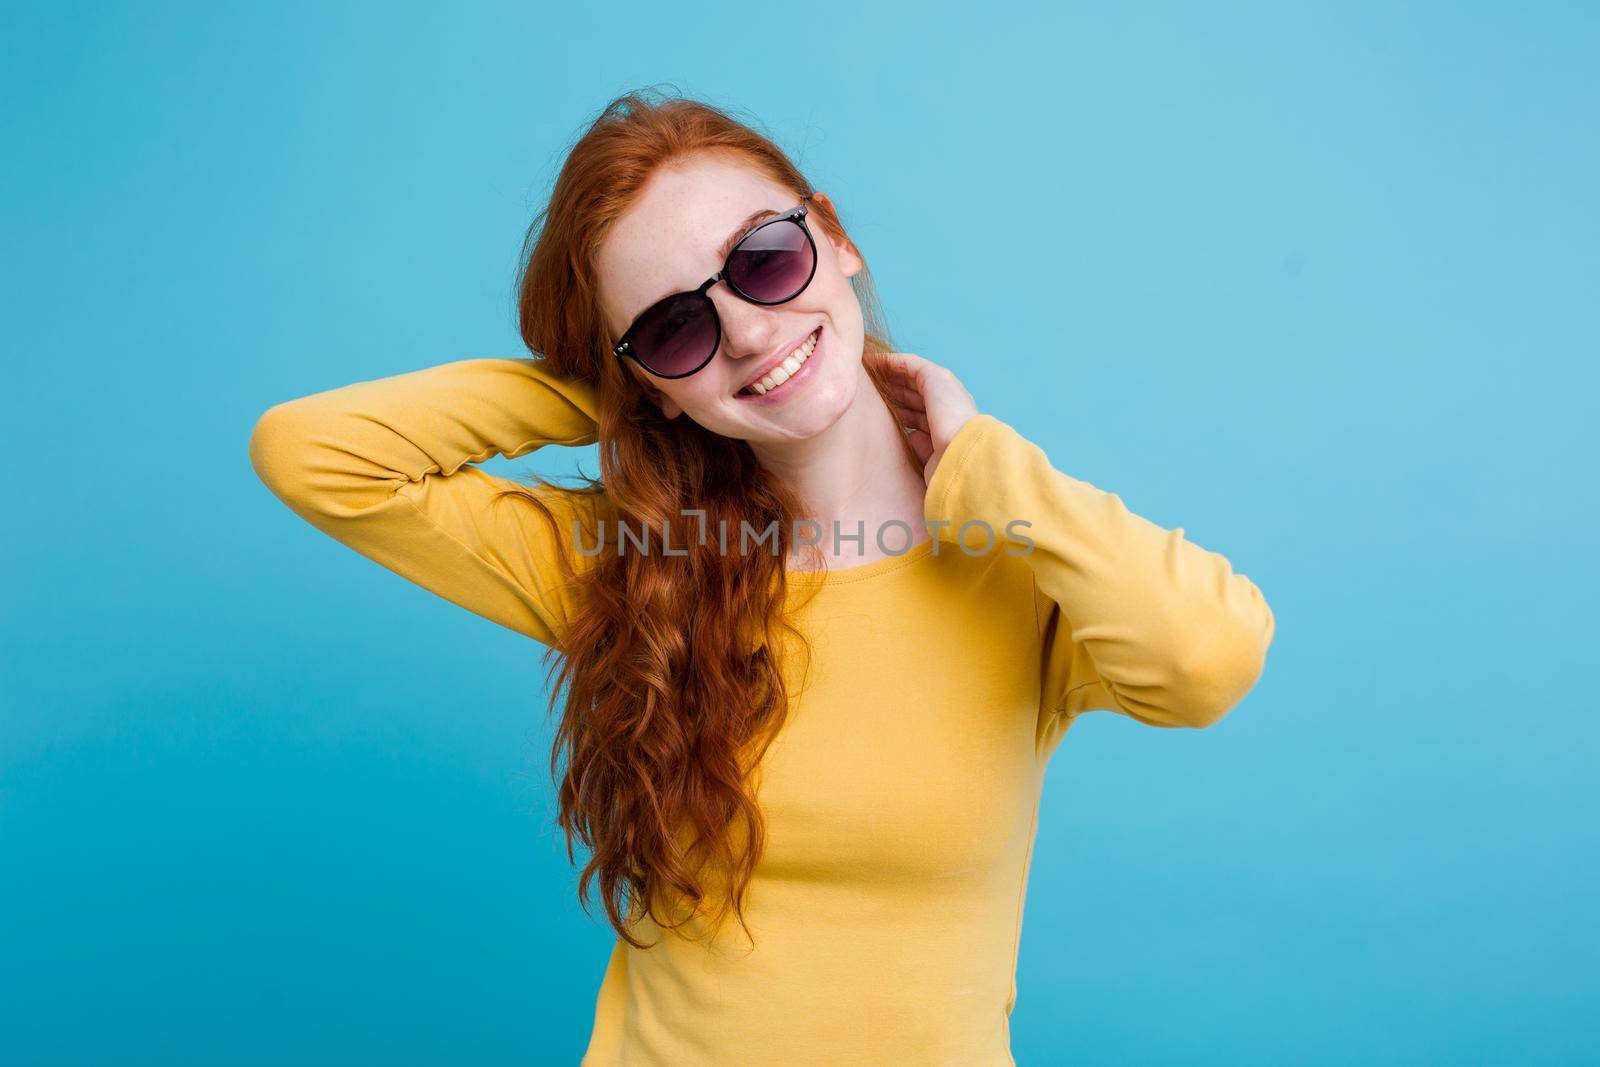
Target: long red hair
x,y
670,664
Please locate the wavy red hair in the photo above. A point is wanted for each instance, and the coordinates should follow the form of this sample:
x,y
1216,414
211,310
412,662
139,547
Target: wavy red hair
x,y
671,666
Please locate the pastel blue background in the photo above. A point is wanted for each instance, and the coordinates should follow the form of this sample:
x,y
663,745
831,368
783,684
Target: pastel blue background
x,y
1315,282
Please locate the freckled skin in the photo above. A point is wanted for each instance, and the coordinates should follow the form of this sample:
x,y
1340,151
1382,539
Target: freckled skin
x,y
667,242
833,436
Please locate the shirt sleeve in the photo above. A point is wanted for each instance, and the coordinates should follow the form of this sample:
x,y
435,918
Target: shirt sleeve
x,y
385,467
1133,618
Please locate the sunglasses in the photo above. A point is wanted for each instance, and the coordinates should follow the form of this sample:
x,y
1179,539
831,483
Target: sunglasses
x,y
678,334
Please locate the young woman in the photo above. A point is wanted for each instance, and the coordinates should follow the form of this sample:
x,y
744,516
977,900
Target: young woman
x,y
838,739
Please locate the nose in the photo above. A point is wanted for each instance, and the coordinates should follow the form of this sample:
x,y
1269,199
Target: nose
x,y
747,329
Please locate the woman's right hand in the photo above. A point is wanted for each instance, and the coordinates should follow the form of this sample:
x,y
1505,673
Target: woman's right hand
x,y
928,399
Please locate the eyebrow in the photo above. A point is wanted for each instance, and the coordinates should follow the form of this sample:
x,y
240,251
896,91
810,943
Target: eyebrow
x,y
744,228
726,247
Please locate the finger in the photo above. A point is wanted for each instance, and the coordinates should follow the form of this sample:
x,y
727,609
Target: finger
x,y
908,363
922,444
910,425
922,374
899,365
907,396
913,417
900,357
897,378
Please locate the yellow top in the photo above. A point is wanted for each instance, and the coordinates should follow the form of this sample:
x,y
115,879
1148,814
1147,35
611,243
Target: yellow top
x,y
900,796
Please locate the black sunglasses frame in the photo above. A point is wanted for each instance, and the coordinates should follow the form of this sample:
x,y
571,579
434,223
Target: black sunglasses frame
x,y
624,349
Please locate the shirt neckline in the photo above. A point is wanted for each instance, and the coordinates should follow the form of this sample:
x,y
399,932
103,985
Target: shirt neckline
x,y
863,571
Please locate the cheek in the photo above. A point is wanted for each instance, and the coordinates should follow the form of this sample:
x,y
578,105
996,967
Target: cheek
x,y
835,295
692,394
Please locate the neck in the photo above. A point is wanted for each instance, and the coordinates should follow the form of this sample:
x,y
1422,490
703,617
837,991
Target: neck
x,y
856,474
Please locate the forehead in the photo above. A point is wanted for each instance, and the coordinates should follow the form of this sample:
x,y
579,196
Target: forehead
x,y
668,240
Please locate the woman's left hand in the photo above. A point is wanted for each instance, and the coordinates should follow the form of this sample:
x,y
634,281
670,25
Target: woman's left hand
x,y
930,400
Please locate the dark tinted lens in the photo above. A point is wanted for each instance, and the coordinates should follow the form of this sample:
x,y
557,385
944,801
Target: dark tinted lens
x,y
773,264
676,335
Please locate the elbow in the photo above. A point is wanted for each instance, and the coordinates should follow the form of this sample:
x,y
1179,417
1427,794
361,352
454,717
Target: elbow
x,y
1215,676
279,446
311,456
268,446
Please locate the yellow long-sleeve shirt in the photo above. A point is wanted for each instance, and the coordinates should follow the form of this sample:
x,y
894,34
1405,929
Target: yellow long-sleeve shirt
x,y
901,794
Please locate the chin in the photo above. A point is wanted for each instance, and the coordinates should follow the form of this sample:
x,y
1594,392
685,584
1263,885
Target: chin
x,y
825,404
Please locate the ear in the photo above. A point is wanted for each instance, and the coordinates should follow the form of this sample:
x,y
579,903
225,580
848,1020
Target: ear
x,y
850,263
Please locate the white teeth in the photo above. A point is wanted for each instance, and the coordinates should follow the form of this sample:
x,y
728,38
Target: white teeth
x,y
785,370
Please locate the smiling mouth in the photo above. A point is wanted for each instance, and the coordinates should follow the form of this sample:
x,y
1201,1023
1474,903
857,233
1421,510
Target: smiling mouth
x,y
785,370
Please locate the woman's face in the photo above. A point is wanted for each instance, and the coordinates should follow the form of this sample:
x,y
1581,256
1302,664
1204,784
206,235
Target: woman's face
x,y
667,242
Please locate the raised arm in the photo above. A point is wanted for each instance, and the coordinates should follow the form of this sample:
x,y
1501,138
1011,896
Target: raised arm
x,y
384,466
1135,618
